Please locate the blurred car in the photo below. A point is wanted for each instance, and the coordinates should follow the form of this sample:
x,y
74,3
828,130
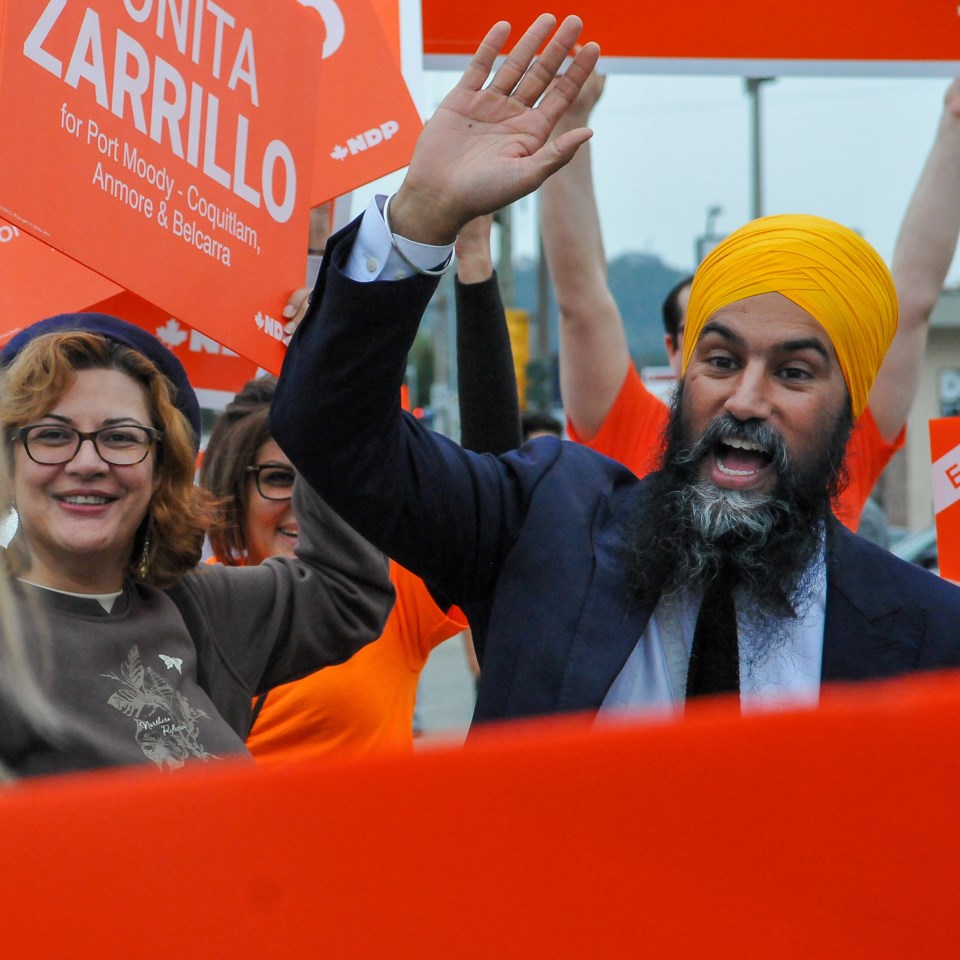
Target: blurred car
x,y
919,547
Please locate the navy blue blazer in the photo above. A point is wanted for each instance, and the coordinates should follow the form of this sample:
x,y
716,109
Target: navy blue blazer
x,y
530,544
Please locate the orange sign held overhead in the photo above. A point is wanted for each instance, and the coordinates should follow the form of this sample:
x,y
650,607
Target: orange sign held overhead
x,y
214,371
165,144
945,453
367,122
37,281
857,37
389,13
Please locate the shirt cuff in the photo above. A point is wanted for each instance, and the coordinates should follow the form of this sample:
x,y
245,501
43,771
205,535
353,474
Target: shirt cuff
x,y
373,256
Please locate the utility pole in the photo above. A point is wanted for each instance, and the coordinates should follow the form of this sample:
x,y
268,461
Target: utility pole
x,y
543,302
504,220
709,238
753,85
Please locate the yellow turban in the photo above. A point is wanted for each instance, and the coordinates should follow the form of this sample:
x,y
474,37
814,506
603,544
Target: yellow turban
x,y
825,269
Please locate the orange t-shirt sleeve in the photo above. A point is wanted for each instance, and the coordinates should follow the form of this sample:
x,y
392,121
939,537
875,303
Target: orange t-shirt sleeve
x,y
363,706
867,456
632,431
421,623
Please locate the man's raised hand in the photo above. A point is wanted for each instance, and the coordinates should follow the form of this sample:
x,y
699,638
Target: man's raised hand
x,y
487,146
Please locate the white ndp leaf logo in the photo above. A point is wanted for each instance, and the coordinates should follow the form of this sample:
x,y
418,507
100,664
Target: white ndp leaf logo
x,y
332,20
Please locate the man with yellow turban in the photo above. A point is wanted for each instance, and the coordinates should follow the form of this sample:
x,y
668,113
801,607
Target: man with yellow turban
x,y
587,589
607,405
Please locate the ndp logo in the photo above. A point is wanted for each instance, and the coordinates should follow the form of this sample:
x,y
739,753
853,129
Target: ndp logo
x,y
269,325
8,232
175,336
363,141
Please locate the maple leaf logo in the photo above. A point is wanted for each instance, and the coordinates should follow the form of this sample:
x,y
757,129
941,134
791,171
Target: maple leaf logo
x,y
171,333
338,152
258,320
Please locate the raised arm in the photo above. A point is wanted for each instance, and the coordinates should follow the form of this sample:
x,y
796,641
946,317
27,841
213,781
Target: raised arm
x,y
921,258
594,356
486,381
441,511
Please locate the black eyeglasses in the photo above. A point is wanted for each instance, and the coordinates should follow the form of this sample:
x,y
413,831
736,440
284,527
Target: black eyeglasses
x,y
121,446
274,482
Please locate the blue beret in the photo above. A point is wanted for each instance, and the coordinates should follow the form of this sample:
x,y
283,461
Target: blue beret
x,y
127,334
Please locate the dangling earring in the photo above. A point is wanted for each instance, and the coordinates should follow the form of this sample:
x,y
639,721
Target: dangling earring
x,y
143,567
9,526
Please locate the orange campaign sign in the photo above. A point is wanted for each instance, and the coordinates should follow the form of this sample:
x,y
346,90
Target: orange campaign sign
x,y
367,122
945,453
389,13
214,371
39,282
164,144
817,37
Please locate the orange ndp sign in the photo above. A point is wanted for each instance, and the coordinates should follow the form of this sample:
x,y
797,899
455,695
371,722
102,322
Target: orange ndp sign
x,y
215,372
367,122
945,453
165,144
878,37
39,282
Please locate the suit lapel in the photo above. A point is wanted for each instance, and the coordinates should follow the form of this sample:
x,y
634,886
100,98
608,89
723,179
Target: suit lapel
x,y
870,633
611,624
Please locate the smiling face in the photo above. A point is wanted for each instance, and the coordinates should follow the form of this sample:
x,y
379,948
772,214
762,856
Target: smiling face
x,y
765,363
270,527
78,519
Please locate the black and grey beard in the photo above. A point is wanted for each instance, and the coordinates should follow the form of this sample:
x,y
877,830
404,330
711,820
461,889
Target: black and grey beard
x,y
685,529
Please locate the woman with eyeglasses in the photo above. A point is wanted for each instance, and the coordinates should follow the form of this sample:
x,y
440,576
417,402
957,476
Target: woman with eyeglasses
x,y
146,657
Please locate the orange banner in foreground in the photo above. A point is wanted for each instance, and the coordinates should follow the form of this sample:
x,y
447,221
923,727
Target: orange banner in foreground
x,y
945,453
826,833
877,37
166,146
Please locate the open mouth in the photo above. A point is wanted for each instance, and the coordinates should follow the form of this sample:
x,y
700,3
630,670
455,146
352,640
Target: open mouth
x,y
741,458
288,532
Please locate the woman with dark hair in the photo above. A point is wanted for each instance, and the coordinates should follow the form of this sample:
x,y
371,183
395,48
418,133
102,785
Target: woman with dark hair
x,y
251,480
150,658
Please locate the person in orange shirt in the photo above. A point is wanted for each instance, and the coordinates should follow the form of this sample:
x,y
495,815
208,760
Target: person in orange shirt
x,y
607,406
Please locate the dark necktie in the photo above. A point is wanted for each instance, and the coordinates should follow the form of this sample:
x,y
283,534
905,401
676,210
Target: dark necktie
x,y
715,658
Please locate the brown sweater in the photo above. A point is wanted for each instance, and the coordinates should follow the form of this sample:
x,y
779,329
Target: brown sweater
x,y
168,676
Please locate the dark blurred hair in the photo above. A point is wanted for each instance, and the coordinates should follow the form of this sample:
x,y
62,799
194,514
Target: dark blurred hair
x,y
238,433
671,309
532,421
179,511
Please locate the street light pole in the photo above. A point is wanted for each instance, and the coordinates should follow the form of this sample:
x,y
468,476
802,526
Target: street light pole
x,y
505,275
753,85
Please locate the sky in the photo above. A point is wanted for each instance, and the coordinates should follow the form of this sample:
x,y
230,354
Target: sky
x,y
666,149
